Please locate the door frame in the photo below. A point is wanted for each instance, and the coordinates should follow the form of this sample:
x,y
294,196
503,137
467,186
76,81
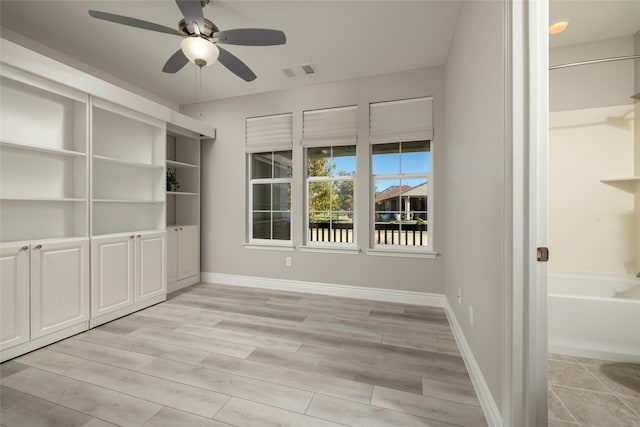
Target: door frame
x,y
524,391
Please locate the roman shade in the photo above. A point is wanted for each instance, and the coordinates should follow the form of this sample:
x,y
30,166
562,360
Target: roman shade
x,y
330,127
398,121
269,133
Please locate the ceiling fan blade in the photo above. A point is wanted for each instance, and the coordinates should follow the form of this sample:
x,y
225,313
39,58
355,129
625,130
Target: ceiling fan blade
x,y
192,11
175,62
235,65
133,22
251,37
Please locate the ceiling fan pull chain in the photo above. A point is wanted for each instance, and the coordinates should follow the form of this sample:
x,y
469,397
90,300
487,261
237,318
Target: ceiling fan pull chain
x,y
200,91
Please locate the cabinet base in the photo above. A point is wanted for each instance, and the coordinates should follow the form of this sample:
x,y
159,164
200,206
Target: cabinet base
x,y
97,321
37,343
172,287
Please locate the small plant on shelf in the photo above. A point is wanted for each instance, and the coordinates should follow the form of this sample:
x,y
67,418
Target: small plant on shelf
x,y
172,181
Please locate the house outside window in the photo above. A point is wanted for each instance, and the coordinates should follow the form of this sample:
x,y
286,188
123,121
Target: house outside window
x,y
401,173
401,134
329,138
268,146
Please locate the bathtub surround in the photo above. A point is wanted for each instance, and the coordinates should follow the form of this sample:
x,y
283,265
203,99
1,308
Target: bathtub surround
x,y
591,138
586,316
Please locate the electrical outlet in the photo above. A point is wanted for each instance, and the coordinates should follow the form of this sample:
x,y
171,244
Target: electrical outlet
x,y
471,315
287,261
459,296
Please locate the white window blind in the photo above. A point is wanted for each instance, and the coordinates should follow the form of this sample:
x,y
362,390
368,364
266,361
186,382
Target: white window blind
x,y
405,120
269,133
330,127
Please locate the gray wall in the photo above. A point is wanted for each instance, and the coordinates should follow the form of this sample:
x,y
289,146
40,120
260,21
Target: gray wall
x,y
474,122
224,186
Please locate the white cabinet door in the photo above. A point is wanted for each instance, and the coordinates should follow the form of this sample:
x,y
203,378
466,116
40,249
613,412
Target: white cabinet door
x,y
59,285
14,295
151,279
112,273
172,254
188,252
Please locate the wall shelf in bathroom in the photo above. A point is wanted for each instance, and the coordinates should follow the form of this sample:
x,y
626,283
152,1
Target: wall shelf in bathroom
x,y
621,179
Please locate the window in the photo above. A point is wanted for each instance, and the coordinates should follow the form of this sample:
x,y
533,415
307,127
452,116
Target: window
x,y
401,134
330,190
401,172
330,136
268,145
270,195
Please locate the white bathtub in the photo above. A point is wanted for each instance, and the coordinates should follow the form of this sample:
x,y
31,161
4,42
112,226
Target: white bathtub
x,y
586,319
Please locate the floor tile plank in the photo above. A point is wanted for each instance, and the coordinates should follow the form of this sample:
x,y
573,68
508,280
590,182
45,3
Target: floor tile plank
x,y
22,409
428,407
164,392
302,379
169,417
157,349
245,413
190,341
356,414
258,391
90,399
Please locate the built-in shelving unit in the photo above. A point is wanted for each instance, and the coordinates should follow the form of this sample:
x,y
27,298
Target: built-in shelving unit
x,y
183,204
44,212
128,171
83,200
183,159
43,160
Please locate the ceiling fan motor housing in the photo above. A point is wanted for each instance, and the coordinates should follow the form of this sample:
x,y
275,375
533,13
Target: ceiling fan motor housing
x,y
209,28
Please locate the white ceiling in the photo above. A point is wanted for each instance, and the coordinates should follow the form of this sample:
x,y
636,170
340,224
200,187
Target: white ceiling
x,y
343,39
591,20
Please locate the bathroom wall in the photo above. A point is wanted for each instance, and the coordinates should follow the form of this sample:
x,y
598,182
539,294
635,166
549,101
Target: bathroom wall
x,y
591,137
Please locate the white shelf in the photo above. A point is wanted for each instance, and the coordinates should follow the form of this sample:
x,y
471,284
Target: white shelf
x,y
126,201
42,199
174,164
37,149
181,193
115,161
621,179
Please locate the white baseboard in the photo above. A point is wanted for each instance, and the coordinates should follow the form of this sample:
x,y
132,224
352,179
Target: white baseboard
x,y
389,295
488,404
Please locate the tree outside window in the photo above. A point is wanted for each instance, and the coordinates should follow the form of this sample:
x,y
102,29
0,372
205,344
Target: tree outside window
x,y
330,189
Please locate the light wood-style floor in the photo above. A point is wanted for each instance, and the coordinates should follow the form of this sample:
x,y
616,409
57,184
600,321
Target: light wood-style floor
x,y
217,355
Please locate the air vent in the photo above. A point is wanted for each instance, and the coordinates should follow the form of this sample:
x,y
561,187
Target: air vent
x,y
300,70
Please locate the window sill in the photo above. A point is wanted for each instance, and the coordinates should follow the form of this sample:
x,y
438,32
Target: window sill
x,y
331,250
403,253
270,246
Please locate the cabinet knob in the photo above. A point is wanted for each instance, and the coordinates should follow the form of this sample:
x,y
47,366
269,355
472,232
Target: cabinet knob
x,y
175,229
139,235
132,236
37,247
180,228
24,248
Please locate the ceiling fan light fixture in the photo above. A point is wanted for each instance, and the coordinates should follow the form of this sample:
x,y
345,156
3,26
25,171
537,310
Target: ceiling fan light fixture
x,y
200,51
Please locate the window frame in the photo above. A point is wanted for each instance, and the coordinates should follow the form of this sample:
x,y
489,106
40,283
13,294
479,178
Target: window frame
x,y
331,179
250,211
384,247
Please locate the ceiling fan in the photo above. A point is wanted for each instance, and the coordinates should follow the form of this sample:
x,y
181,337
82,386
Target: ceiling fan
x,y
201,38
